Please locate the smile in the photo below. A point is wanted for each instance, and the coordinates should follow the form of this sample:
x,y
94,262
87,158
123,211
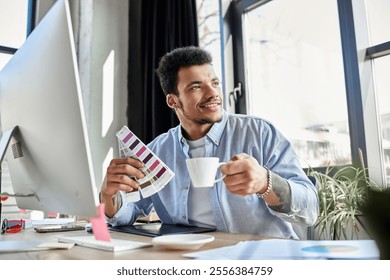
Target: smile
x,y
211,105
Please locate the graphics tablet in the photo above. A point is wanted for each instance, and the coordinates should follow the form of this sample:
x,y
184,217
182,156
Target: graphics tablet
x,y
158,229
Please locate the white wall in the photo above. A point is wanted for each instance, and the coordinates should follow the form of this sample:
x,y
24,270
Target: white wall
x,y
103,58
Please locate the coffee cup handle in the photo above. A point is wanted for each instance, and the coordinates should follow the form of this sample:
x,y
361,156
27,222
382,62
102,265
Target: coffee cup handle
x,y
219,179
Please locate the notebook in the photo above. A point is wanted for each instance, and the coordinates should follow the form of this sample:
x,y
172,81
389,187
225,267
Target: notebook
x,y
158,229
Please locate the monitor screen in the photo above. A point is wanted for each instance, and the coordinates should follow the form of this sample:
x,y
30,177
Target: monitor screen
x,y
49,154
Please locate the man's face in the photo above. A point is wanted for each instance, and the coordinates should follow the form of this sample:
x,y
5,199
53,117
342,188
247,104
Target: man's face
x,y
199,102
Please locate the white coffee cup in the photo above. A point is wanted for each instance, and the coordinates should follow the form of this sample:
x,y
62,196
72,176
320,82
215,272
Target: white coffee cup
x,y
203,171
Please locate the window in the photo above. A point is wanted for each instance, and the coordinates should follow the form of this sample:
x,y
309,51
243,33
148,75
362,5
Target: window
x,y
295,77
208,15
378,11
13,27
319,76
382,88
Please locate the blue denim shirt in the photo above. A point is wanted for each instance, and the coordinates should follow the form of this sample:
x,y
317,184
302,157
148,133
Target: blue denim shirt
x,y
235,134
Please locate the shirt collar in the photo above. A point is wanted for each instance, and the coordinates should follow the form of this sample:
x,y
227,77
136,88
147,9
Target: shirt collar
x,y
215,132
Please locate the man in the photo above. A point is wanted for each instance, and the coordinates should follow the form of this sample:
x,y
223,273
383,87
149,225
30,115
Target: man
x,y
265,189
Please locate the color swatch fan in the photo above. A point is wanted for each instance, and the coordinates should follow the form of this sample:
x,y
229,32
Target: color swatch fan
x,y
157,174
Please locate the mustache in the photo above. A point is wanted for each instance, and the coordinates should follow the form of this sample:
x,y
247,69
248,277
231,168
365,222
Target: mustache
x,y
213,99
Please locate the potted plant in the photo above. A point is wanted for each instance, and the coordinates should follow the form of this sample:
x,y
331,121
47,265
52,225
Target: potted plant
x,y
342,193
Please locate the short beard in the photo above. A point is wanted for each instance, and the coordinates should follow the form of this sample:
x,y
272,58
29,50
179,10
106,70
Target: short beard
x,y
198,121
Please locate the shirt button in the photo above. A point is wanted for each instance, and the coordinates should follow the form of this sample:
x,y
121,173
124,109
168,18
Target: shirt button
x,y
186,187
184,217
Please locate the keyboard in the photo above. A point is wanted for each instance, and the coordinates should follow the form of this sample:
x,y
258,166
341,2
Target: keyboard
x,y
115,245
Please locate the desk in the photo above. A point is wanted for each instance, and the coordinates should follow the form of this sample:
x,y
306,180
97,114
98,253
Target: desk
x,y
78,252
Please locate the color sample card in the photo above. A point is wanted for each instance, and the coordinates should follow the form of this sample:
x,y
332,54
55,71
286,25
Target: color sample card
x,y
157,174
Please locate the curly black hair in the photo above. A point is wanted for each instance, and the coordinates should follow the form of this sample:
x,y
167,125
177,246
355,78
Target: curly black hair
x,y
171,63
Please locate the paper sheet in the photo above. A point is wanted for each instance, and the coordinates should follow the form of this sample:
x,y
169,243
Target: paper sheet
x,y
13,246
293,249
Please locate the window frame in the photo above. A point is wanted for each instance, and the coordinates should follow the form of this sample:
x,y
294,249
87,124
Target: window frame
x,y
378,51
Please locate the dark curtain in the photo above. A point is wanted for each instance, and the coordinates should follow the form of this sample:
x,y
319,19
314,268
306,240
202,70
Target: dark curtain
x,y
159,26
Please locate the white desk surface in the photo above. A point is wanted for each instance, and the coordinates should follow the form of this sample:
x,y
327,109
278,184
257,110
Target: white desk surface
x,y
79,252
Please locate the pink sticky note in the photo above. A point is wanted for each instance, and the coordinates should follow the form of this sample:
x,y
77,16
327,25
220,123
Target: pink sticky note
x,y
99,225
52,215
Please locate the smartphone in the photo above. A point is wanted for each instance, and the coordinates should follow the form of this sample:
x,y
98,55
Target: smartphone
x,y
58,228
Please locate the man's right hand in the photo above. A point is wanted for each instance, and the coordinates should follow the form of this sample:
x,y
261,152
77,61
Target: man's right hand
x,y
118,178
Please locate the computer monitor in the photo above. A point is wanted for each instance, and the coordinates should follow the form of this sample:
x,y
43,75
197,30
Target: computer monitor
x,y
40,94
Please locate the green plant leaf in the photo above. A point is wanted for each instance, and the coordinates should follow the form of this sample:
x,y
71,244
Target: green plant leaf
x,y
342,193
